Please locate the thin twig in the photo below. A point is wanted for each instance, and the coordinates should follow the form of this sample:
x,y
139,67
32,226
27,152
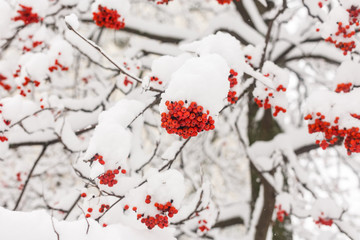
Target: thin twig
x,y
29,176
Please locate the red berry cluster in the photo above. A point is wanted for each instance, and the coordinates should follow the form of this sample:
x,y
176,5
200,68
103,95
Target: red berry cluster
x,y
127,81
108,178
343,87
186,121
162,1
203,227
98,157
354,115
281,213
108,18
333,133
266,104
17,72
18,176
26,82
324,221
155,79
148,199
231,97
34,45
344,46
248,59
166,208
103,207
7,87
58,66
26,15
225,1
354,13
320,4
161,220
3,139
83,195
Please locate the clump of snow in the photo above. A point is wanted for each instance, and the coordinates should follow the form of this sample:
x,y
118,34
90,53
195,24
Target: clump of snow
x,y
349,3
348,72
5,18
203,80
220,43
165,66
73,21
38,225
325,208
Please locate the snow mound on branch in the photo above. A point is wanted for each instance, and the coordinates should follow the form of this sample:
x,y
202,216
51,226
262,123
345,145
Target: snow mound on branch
x,y
38,225
165,66
112,141
220,43
72,20
5,18
203,80
348,3
333,105
348,72
122,113
162,187
327,208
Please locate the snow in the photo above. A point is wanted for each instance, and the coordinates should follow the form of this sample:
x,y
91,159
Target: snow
x,y
208,77
73,21
5,16
38,225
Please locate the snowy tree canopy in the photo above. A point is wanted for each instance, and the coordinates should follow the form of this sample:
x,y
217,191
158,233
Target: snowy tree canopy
x,y
177,119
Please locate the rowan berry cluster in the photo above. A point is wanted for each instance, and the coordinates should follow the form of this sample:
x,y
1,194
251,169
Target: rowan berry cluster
x,y
18,176
162,1
161,220
343,87
97,157
203,227
26,82
7,87
127,81
354,13
320,4
345,33
281,213
266,103
186,121
26,15
3,139
333,133
108,178
155,79
222,2
103,207
324,221
58,66
108,18
248,59
231,97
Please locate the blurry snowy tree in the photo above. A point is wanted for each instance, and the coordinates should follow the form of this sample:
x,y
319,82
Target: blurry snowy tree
x,y
179,119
